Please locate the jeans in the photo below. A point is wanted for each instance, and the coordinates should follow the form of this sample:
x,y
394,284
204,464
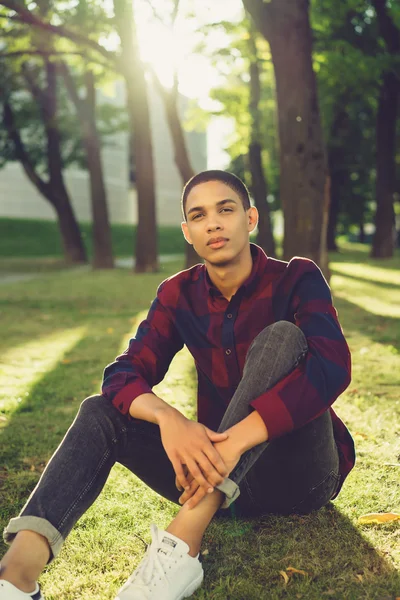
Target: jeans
x,y
296,473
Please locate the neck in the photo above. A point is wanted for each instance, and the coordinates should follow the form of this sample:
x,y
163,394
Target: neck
x,y
228,277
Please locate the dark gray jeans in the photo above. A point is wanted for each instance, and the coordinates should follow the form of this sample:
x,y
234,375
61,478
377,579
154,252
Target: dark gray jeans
x,y
296,473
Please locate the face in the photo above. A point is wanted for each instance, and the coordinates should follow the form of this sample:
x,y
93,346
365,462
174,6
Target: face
x,y
217,224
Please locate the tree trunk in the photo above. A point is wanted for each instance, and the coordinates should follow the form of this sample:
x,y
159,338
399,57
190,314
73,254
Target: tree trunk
x,y
72,239
332,221
384,238
303,170
383,241
86,111
337,169
361,231
259,190
181,154
139,117
74,251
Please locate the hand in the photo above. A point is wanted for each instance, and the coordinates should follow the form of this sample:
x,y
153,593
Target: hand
x,y
189,447
230,455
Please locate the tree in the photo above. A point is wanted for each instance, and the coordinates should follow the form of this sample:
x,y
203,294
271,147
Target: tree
x,y
285,25
170,100
86,111
138,110
54,189
131,68
247,96
265,237
384,238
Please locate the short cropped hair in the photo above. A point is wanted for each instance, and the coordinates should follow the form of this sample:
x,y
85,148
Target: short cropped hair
x,y
229,179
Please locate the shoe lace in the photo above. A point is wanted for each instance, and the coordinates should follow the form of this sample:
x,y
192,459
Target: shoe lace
x,y
151,571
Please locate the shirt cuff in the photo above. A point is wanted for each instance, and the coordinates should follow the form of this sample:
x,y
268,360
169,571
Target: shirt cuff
x,y
124,398
274,413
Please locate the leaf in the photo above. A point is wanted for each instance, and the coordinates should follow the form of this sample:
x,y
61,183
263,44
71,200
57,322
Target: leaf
x,y
359,577
378,518
361,435
293,570
285,577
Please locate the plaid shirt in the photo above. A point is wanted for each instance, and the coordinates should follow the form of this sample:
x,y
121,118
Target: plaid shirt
x,y
190,310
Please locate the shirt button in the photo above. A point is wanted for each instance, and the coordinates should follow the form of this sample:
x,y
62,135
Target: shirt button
x,y
229,315
228,351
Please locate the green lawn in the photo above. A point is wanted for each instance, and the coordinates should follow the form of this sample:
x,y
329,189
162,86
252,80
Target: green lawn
x,y
38,238
60,330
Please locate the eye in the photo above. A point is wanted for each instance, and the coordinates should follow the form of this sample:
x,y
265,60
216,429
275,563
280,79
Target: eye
x,y
196,216
227,209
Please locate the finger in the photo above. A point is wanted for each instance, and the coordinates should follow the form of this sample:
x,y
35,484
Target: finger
x,y
189,493
194,501
180,474
210,473
178,485
216,437
198,475
215,459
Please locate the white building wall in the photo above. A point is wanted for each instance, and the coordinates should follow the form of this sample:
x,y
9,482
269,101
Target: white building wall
x,y
19,198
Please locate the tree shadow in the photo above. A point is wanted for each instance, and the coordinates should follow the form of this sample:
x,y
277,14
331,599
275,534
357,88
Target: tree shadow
x,y
381,284
352,255
247,558
382,329
35,428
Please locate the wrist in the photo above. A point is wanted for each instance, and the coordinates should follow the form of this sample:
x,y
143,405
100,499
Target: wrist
x,y
248,433
163,413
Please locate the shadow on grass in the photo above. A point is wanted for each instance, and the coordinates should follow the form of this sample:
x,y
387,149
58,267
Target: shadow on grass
x,y
246,557
34,429
349,254
379,328
381,284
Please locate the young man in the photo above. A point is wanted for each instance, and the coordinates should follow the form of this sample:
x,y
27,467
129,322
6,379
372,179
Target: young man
x,y
271,359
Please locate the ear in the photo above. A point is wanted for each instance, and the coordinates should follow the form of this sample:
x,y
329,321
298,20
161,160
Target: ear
x,y
252,216
186,233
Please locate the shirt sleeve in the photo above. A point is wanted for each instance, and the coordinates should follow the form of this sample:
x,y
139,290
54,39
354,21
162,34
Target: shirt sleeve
x,y
324,373
146,360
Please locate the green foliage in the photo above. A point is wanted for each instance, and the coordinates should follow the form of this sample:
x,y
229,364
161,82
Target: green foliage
x,y
349,59
233,96
26,49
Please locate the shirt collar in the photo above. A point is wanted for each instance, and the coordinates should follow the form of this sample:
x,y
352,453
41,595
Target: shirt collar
x,y
259,264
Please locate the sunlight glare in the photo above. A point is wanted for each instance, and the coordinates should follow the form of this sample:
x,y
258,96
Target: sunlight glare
x,y
24,365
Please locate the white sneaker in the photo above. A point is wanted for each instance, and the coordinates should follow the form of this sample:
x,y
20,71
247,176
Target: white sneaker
x,y
167,572
8,591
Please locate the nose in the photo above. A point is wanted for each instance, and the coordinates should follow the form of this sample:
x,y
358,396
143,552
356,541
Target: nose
x,y
213,224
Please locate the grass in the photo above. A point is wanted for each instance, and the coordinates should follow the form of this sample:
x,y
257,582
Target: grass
x,y
58,333
20,238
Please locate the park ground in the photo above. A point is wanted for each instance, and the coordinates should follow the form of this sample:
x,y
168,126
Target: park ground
x,y
58,331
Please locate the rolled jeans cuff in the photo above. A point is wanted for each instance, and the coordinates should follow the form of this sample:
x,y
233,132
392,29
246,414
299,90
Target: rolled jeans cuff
x,y
231,491
38,525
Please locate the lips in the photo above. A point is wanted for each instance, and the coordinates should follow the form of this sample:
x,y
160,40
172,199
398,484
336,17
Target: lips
x,y
217,242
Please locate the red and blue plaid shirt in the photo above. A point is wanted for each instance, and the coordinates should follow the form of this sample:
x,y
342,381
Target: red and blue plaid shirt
x,y
189,310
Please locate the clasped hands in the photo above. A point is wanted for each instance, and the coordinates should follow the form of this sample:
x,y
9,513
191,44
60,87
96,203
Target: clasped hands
x,y
201,458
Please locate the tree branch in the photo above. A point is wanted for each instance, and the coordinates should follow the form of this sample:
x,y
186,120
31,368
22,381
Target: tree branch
x,y
43,53
21,153
26,16
79,103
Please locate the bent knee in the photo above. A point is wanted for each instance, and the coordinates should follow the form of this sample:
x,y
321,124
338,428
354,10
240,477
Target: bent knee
x,y
282,330
96,404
